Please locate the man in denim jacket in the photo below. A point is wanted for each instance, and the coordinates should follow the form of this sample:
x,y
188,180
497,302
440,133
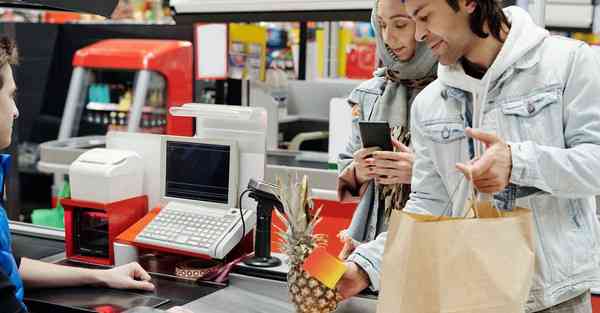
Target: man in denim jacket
x,y
527,104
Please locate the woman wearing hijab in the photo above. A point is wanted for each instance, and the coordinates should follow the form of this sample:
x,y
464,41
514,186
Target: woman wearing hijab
x,y
381,178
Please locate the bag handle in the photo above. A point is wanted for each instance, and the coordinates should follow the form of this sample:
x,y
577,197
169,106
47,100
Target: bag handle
x,y
473,195
448,208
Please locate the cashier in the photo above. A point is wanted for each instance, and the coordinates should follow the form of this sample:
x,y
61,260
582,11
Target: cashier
x,y
17,273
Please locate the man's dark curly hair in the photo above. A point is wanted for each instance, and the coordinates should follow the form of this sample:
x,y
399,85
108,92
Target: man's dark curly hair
x,y
487,10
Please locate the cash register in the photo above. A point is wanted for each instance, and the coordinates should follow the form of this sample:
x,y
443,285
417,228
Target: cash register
x,y
199,182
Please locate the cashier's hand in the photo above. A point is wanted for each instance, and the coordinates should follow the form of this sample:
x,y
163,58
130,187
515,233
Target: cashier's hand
x,y
491,172
393,167
363,164
128,276
354,280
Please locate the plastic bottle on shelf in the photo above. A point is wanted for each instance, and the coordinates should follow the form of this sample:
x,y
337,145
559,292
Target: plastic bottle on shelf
x,y
278,84
122,118
125,101
105,92
113,118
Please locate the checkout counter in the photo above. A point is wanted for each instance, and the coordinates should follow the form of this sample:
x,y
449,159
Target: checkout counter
x,y
245,291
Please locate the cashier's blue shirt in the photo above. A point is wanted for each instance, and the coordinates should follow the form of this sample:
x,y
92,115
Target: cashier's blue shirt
x,y
11,285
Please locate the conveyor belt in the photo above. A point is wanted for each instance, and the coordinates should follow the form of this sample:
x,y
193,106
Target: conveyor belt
x,y
34,247
178,291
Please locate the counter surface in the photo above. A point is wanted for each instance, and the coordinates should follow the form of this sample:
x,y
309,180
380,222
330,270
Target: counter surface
x,y
256,295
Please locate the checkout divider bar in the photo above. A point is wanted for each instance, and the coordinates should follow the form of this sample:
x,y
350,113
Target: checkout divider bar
x,y
36,230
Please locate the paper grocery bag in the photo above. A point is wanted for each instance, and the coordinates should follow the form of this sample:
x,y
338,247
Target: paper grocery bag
x,y
458,265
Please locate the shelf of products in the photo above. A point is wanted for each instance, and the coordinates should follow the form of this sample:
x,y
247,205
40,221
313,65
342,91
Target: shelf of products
x,y
127,11
109,101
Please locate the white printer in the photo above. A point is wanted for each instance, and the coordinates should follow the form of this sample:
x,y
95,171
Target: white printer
x,y
106,176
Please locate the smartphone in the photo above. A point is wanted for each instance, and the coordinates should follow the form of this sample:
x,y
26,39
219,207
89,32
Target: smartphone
x,y
376,134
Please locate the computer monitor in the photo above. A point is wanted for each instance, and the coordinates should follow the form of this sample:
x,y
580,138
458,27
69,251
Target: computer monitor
x,y
200,171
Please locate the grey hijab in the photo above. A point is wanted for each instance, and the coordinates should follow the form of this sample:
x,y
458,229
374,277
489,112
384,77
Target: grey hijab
x,y
404,80
423,64
398,94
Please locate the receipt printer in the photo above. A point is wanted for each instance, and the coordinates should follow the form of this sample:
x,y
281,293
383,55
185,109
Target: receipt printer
x,y
106,176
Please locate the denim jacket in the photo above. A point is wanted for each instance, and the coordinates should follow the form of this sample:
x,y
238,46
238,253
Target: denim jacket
x,y
368,219
363,100
542,96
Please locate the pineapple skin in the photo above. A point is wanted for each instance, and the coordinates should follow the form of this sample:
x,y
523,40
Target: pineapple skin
x,y
298,240
308,294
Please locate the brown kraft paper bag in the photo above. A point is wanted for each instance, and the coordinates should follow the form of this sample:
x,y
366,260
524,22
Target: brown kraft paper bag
x,y
481,264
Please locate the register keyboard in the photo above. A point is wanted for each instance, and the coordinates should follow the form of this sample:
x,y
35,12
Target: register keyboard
x,y
206,231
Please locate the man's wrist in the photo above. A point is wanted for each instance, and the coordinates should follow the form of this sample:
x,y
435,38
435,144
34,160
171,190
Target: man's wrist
x,y
360,272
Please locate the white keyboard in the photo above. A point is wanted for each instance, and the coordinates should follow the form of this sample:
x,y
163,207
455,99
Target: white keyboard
x,y
204,231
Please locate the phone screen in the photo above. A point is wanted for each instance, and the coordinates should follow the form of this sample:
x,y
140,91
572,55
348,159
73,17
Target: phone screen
x,y
376,134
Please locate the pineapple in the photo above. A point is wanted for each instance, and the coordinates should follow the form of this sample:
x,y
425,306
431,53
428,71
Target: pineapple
x,y
298,240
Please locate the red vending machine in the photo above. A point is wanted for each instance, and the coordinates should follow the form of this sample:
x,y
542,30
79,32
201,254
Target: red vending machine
x,y
129,85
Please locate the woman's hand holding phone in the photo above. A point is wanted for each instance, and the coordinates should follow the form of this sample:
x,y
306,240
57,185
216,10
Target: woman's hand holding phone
x,y
393,167
363,164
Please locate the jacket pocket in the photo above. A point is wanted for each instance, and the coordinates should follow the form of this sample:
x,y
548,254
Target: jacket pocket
x,y
582,237
444,131
530,106
535,117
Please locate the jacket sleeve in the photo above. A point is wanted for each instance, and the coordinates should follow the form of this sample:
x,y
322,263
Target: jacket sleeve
x,y
571,172
428,196
348,188
8,300
369,257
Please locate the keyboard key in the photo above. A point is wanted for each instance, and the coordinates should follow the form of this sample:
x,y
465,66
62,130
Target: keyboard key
x,y
182,239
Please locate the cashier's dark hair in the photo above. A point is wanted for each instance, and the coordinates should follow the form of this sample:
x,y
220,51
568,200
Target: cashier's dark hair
x,y
8,54
487,11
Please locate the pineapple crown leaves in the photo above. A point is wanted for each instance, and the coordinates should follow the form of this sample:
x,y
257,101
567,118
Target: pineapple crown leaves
x,y
298,239
294,197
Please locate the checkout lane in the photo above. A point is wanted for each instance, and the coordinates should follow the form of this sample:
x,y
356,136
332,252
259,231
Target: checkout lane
x,y
265,295
98,215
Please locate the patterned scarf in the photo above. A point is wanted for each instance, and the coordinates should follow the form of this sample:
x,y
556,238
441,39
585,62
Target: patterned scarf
x,y
404,80
394,197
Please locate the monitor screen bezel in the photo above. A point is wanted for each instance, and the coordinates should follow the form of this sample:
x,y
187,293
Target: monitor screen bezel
x,y
233,170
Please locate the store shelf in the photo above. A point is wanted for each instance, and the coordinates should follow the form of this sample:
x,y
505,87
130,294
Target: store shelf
x,y
214,6
104,8
569,16
297,118
567,29
113,107
192,11
279,16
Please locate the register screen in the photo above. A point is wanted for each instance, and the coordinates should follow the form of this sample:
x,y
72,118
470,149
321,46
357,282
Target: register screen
x,y
197,171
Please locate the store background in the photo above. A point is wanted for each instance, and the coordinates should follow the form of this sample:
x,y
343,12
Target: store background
x,y
304,50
